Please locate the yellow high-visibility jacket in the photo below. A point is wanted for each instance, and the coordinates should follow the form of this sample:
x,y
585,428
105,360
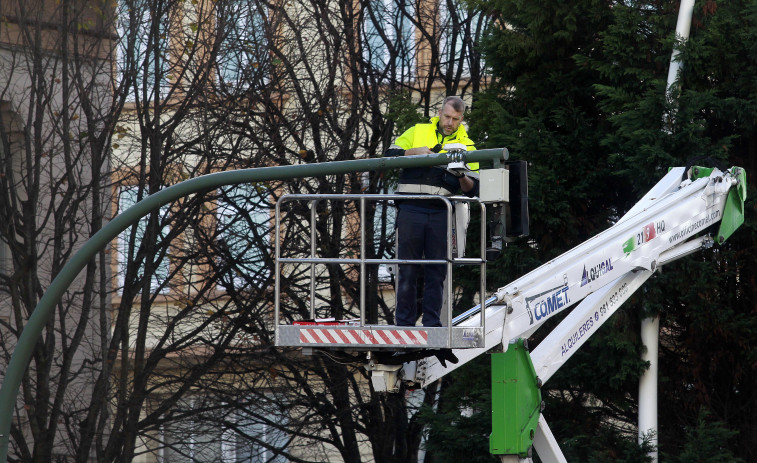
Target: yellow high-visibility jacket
x,y
430,180
429,135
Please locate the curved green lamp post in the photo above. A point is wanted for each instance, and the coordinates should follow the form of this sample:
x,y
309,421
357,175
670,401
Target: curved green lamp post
x,y
42,313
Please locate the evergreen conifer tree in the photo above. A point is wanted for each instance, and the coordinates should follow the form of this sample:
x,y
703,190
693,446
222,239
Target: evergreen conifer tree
x,y
579,91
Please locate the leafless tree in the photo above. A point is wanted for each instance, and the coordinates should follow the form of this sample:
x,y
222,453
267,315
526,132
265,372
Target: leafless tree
x,y
57,111
183,367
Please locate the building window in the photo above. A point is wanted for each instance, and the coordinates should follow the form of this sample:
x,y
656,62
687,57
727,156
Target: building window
x,y
383,239
225,435
127,198
192,438
389,37
243,55
142,52
244,221
459,29
255,440
191,442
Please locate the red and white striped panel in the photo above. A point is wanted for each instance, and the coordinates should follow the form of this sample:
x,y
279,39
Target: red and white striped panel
x,y
363,336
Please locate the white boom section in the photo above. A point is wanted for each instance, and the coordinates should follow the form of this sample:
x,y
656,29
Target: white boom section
x,y
603,272
546,444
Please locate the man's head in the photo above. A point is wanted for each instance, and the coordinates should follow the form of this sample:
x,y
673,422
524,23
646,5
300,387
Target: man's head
x,y
451,114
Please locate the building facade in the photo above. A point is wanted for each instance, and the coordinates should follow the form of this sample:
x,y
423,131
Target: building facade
x,y
161,351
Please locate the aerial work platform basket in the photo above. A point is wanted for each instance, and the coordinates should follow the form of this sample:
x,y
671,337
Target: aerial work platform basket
x,y
356,334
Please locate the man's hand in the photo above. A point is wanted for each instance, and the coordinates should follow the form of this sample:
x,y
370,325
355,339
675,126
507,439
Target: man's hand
x,y
458,168
466,183
419,150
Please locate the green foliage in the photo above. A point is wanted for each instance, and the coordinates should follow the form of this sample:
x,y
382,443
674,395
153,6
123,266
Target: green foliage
x,y
614,448
461,423
541,106
579,91
706,442
708,326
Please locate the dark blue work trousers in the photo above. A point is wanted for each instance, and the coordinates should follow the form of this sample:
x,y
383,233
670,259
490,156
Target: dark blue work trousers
x,y
421,235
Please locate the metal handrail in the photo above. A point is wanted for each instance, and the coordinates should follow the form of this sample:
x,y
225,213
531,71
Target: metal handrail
x,y
312,259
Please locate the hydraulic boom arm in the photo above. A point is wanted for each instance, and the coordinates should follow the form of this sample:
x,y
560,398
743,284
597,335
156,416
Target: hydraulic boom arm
x,y
599,275
604,271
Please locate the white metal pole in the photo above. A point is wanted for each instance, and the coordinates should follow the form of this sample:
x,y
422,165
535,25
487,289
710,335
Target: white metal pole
x,y
650,329
683,28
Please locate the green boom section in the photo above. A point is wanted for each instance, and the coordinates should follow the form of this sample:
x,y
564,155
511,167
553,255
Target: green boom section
x,y
44,309
516,401
733,212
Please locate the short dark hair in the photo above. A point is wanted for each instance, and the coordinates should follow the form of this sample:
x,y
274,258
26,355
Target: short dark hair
x,y
457,103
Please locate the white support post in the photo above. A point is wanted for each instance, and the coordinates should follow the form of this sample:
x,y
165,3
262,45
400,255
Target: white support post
x,y
650,333
650,327
683,28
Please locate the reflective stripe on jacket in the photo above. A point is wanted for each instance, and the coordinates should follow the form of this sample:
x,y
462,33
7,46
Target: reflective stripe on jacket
x,y
420,189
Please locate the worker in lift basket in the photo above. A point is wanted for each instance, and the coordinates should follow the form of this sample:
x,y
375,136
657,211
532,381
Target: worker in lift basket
x,y
422,224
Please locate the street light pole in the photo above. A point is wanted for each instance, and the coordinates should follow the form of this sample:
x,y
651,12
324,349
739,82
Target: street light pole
x,y
43,311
